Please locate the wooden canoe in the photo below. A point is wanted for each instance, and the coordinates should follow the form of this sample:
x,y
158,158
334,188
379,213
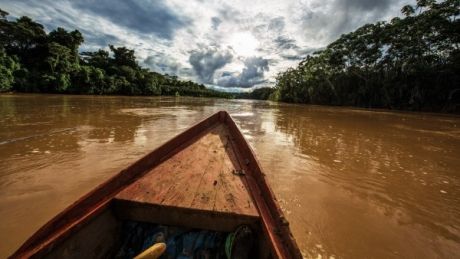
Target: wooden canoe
x,y
206,177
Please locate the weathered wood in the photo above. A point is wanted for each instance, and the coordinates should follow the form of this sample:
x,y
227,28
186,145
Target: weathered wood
x,y
274,223
195,180
98,239
198,178
181,217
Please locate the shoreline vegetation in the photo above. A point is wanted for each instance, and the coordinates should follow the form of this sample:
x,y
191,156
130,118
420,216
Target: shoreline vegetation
x,y
33,61
410,63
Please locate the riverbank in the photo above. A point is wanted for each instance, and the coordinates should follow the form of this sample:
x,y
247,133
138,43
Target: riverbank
x,y
34,61
408,63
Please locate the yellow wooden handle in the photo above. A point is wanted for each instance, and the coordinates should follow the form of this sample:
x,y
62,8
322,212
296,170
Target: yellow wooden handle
x,y
152,252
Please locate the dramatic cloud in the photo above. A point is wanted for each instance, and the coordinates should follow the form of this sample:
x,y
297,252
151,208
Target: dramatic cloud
x,y
143,16
162,63
215,22
366,5
336,17
252,74
283,42
206,62
235,44
276,24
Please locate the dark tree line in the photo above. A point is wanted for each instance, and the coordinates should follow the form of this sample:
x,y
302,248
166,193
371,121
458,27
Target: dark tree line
x,y
410,63
32,60
262,93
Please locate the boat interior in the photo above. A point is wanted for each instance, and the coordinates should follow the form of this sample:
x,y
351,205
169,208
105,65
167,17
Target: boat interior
x,y
110,235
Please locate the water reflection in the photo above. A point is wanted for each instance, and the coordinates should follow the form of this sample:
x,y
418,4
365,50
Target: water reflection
x,y
376,174
353,183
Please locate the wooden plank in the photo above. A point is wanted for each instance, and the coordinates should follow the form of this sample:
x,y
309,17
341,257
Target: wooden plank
x,y
98,239
193,164
182,217
199,177
167,177
274,223
231,181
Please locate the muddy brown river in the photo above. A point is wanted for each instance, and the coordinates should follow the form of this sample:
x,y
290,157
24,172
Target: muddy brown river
x,y
353,183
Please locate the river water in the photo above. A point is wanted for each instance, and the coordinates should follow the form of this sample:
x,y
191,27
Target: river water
x,y
353,183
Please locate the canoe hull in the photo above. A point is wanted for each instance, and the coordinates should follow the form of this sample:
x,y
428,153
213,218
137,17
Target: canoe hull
x,y
113,198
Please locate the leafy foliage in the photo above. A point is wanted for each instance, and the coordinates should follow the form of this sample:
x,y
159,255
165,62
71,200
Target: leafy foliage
x,y
8,66
33,61
409,63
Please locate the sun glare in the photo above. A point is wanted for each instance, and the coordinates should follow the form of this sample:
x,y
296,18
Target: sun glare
x,y
244,43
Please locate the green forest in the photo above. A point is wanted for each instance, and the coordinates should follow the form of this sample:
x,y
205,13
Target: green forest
x,y
262,93
409,63
32,60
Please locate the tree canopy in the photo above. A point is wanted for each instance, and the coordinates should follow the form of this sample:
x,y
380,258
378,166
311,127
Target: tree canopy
x,y
408,63
32,60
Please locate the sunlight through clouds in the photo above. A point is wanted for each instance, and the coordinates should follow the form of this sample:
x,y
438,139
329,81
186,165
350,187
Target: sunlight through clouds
x,y
189,38
244,44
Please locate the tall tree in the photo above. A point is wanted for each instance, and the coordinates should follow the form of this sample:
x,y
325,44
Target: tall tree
x,y
124,56
408,63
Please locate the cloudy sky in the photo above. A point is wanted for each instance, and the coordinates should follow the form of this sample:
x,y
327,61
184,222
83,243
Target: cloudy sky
x,y
231,44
